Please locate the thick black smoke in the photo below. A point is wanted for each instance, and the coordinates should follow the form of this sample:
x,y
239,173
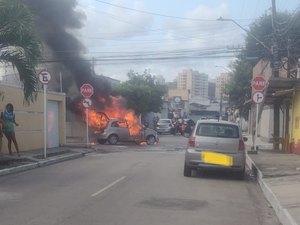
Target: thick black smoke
x,y
55,19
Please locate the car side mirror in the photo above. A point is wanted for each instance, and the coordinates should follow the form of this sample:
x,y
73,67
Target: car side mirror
x,y
245,139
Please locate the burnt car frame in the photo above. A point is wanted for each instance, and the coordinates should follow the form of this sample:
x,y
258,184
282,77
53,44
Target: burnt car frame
x,y
117,130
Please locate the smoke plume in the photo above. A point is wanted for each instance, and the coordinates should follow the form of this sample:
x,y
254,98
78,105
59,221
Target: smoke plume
x,y
55,19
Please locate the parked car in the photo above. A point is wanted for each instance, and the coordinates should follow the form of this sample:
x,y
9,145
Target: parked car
x,y
215,144
164,126
117,130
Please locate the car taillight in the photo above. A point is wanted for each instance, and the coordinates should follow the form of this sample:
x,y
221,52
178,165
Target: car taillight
x,y
191,142
241,145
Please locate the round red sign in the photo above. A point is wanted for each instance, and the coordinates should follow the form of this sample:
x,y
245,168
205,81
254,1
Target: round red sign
x,y
259,83
86,90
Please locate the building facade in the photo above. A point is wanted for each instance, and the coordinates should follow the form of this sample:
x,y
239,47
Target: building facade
x,y
193,81
30,132
221,81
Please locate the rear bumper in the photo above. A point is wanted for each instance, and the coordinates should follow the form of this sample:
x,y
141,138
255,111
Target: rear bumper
x,y
193,160
163,130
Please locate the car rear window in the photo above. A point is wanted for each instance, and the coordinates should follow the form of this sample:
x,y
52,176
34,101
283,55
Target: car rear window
x,y
217,130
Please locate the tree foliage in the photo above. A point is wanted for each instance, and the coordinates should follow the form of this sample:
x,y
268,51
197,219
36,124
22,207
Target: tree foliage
x,y
19,44
239,86
286,34
142,92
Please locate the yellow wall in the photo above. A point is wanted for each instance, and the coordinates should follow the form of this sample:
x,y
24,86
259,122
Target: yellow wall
x,y
295,137
30,118
184,94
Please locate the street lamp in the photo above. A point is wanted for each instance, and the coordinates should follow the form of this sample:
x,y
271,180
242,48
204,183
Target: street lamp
x,y
266,47
247,31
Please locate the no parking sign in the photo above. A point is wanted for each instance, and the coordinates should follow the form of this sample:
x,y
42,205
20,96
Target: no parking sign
x,y
44,77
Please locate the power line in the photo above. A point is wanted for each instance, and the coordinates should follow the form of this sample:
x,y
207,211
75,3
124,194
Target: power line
x,y
154,52
291,21
160,31
152,13
136,60
141,57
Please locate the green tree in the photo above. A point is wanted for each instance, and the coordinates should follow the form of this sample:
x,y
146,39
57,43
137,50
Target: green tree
x,y
142,92
287,36
239,86
287,32
19,44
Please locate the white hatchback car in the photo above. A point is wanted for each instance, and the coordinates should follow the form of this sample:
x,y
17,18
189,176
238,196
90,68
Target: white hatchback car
x,y
215,144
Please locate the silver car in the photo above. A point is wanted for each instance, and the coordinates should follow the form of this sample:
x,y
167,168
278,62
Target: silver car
x,y
118,131
164,126
215,144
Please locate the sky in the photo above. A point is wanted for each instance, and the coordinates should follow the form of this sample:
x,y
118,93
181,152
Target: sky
x,y
167,36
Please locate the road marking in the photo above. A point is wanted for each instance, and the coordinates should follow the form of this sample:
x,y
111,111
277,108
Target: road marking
x,y
108,186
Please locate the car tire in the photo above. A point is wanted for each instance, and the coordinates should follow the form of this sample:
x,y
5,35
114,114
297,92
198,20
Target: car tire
x,y
187,172
113,139
150,140
101,141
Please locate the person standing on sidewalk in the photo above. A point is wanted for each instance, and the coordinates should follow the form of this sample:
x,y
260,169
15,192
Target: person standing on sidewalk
x,y
1,134
8,116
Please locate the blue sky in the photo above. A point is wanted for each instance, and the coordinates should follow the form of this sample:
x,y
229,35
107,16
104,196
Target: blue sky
x,y
168,35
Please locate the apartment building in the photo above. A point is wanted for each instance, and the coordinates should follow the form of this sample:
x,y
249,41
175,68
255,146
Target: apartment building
x,y
195,82
221,80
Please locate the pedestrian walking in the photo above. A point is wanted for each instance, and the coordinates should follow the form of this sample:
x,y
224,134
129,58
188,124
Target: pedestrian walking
x,y
8,117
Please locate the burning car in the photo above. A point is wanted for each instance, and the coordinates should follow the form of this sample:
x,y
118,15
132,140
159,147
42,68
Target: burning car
x,y
118,130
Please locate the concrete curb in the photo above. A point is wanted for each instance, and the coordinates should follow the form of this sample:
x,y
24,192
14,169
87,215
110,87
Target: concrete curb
x,y
19,169
58,159
41,163
283,215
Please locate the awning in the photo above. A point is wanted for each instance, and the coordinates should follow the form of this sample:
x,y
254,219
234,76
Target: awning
x,y
280,89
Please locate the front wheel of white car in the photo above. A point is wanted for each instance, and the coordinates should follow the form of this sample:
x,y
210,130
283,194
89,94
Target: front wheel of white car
x,y
150,140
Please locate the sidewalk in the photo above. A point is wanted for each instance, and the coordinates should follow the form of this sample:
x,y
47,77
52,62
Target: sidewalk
x,y
278,175
35,158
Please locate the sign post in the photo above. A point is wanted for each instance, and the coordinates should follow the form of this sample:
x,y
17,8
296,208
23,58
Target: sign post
x,y
45,78
87,91
258,84
257,98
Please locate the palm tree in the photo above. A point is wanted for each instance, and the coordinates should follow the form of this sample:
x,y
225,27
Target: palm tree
x,y
19,44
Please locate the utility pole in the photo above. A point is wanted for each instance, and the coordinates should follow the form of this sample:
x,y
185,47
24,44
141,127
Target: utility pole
x,y
275,73
221,106
93,65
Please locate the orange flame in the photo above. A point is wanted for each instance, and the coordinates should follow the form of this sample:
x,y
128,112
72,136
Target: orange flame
x,y
115,110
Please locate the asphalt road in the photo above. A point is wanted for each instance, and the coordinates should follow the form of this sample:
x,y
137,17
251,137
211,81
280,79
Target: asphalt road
x,y
131,185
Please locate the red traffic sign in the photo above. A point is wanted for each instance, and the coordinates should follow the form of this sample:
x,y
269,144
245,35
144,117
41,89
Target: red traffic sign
x,y
259,83
258,97
86,90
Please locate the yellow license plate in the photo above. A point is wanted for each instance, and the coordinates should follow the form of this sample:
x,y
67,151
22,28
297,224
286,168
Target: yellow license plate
x,y
216,158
